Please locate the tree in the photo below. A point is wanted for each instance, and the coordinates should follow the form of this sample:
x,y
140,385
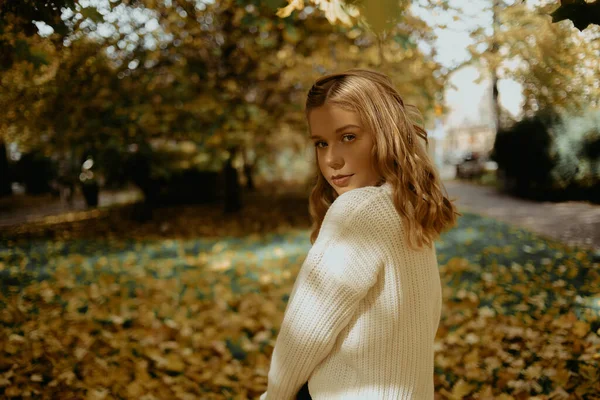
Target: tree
x,y
554,62
17,27
382,35
224,73
20,47
549,54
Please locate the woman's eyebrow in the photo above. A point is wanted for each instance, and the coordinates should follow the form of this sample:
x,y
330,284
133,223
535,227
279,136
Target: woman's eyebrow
x,y
338,130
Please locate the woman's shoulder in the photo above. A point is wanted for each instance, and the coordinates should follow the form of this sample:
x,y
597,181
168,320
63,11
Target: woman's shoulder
x,y
360,204
364,216
361,196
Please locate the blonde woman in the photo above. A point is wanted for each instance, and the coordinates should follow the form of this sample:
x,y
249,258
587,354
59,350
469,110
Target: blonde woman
x,y
363,313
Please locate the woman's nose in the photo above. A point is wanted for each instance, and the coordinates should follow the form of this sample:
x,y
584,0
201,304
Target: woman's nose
x,y
334,158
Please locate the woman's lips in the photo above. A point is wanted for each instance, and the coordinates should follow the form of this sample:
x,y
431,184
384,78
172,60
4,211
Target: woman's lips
x,y
342,181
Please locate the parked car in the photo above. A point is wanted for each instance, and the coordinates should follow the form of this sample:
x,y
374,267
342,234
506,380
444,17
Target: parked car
x,y
474,165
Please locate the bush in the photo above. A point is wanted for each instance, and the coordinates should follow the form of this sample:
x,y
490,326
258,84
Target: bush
x,y
577,142
113,164
525,157
170,176
551,157
36,171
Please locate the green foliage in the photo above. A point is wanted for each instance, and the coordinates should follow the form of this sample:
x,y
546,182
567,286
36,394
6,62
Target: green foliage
x,y
272,4
171,156
577,139
17,24
380,15
233,73
545,58
92,13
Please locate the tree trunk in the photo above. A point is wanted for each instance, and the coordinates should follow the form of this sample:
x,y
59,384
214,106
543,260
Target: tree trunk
x,y
5,175
248,173
494,72
233,190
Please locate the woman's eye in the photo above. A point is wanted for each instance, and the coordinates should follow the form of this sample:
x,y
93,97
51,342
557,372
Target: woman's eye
x,y
343,137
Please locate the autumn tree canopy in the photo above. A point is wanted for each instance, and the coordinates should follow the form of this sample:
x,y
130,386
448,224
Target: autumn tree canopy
x,y
554,63
231,71
237,71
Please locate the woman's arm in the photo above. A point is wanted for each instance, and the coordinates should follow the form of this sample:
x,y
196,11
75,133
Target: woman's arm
x,y
337,273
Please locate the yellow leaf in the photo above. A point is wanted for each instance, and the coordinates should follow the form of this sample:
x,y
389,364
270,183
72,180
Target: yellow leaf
x,y
533,372
581,328
459,391
12,391
287,10
97,394
175,363
135,389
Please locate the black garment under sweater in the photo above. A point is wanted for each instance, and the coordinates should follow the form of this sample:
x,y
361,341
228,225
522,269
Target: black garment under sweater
x,y
303,394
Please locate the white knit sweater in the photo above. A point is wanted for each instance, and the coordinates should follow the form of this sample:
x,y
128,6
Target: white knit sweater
x,y
362,316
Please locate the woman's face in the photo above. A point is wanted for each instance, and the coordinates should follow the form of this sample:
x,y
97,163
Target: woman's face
x,y
343,147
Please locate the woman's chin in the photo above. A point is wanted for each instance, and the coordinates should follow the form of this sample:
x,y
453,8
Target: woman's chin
x,y
342,190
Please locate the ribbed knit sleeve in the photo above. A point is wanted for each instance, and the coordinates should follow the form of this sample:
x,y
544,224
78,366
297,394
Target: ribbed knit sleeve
x,y
339,270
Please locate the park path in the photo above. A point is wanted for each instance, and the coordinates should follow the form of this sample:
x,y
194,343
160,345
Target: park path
x,y
573,223
21,209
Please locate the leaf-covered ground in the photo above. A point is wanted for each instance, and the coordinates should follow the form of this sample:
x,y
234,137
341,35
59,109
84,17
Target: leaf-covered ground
x,y
188,307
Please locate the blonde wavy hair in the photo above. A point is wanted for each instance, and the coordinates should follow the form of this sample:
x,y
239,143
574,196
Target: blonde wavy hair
x,y
419,195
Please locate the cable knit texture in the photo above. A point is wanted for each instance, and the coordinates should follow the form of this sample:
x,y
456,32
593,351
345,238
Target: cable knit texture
x,y
361,320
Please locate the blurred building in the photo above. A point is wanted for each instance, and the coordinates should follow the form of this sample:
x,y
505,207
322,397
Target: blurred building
x,y
461,140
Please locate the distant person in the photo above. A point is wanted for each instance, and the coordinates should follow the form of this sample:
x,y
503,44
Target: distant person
x,y
233,195
67,180
362,316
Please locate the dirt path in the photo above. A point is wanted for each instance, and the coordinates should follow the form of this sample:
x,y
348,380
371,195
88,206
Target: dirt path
x,y
22,209
573,223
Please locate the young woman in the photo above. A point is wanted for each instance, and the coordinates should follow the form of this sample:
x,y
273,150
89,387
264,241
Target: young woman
x,y
361,319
